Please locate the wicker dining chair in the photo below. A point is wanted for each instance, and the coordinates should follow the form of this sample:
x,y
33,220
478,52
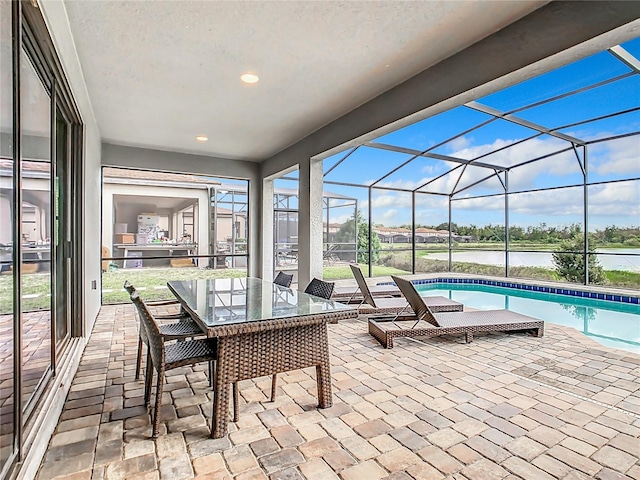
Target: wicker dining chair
x,y
185,328
163,356
283,279
318,288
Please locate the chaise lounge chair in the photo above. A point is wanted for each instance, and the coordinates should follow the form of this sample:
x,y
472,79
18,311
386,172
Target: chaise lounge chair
x,y
351,295
426,323
369,305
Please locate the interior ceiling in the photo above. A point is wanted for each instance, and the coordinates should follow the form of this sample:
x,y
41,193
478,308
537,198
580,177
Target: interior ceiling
x,y
160,73
154,203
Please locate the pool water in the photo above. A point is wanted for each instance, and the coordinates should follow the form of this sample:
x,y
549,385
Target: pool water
x,y
612,324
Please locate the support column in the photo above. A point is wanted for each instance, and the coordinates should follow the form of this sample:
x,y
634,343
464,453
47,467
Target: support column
x,y
309,222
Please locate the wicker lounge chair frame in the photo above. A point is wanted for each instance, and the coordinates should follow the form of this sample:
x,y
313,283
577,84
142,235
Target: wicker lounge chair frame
x,y
395,306
467,323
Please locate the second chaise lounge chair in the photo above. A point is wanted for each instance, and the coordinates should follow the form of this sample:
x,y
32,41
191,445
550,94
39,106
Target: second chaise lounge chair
x,y
373,305
426,323
355,295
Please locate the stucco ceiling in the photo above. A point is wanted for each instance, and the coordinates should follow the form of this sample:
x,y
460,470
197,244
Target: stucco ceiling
x,y
160,73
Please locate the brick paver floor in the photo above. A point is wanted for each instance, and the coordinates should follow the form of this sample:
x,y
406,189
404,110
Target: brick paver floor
x,y
505,406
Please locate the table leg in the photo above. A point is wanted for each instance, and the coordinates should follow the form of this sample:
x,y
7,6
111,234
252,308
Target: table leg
x,y
220,415
323,376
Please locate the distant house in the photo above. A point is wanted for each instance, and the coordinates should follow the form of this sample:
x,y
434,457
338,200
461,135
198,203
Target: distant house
x,y
422,235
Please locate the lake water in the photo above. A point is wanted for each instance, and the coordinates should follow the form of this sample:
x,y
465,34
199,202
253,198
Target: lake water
x,y
627,261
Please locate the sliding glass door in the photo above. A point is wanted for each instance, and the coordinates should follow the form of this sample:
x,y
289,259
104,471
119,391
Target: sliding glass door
x,y
40,185
7,266
36,233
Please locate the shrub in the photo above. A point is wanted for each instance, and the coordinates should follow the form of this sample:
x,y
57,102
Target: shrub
x,y
569,262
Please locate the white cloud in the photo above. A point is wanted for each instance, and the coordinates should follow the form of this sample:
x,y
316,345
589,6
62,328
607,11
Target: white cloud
x,y
431,169
525,177
340,218
617,157
621,198
607,203
389,217
551,203
460,143
391,200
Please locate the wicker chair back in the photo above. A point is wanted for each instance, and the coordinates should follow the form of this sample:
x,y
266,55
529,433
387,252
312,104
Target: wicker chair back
x,y
129,287
283,279
421,309
320,288
150,331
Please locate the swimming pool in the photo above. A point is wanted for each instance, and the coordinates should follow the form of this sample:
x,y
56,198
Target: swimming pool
x,y
612,324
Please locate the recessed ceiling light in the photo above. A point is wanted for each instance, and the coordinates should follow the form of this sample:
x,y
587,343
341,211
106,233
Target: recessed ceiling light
x,y
249,77
202,138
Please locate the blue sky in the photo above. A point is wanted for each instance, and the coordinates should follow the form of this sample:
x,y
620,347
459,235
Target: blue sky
x,y
616,203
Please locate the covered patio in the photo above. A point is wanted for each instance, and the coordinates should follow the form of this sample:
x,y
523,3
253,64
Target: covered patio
x,y
506,406
162,87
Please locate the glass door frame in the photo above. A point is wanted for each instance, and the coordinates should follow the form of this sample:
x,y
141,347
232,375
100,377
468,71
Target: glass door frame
x,y
30,35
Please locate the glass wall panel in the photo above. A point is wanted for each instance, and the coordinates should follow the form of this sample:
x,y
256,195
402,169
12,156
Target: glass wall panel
x,y
432,131
479,262
588,71
7,226
391,223
532,265
63,234
35,270
614,230
603,100
340,239
365,166
285,225
497,134
478,223
477,181
347,235
432,233
229,224
423,170
607,127
517,153
557,170
614,160
440,177
541,220
159,226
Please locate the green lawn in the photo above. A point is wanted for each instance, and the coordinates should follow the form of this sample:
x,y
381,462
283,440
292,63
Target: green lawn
x,y
344,272
154,281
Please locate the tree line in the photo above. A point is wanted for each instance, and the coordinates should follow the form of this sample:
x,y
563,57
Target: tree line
x,y
542,233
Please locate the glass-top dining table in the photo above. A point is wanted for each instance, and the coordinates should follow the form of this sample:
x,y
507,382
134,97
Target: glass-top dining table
x,y
262,329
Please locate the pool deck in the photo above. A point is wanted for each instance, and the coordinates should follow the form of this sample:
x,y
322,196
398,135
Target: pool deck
x,y
505,406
